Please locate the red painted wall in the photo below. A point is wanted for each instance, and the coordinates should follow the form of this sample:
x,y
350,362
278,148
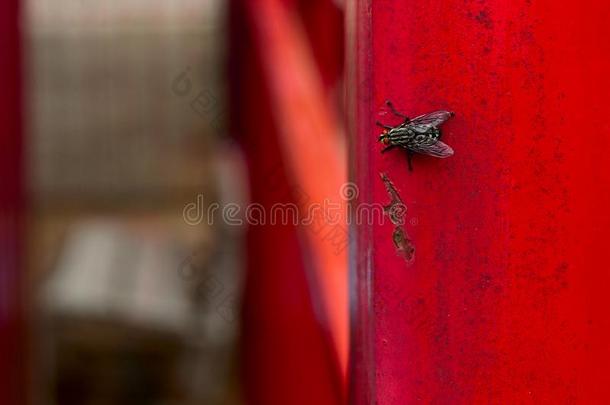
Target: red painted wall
x,y
12,356
506,300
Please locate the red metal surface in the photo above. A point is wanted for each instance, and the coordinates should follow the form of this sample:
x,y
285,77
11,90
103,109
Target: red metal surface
x,y
295,306
12,382
506,300
315,159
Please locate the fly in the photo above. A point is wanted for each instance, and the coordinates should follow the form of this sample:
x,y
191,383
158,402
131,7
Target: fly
x,y
420,134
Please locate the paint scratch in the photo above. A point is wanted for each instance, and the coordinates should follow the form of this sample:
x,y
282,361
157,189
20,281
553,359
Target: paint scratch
x,y
396,211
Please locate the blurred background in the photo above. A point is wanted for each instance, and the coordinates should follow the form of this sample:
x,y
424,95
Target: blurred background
x,y
126,110
138,116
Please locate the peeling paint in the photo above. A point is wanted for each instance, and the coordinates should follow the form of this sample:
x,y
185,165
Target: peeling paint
x,y
396,211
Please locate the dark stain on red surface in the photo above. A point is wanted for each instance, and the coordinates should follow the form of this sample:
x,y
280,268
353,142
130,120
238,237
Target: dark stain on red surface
x,y
404,246
396,211
484,18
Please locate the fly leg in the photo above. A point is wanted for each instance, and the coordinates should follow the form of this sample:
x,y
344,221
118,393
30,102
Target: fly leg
x,y
387,148
379,124
409,156
396,112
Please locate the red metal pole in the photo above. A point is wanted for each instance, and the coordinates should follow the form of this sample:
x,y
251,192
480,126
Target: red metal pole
x,y
12,359
505,300
295,307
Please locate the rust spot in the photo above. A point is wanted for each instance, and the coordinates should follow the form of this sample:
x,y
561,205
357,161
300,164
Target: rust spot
x,y
404,245
396,211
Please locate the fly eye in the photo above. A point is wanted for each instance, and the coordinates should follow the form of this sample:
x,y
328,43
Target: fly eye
x,y
386,141
385,131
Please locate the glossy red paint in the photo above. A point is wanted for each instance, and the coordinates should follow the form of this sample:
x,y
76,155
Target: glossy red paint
x,y
506,300
12,364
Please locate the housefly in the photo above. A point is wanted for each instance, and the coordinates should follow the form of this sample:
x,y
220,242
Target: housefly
x,y
420,134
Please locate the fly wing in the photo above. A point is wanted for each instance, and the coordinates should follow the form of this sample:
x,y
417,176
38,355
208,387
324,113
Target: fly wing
x,y
433,119
436,149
